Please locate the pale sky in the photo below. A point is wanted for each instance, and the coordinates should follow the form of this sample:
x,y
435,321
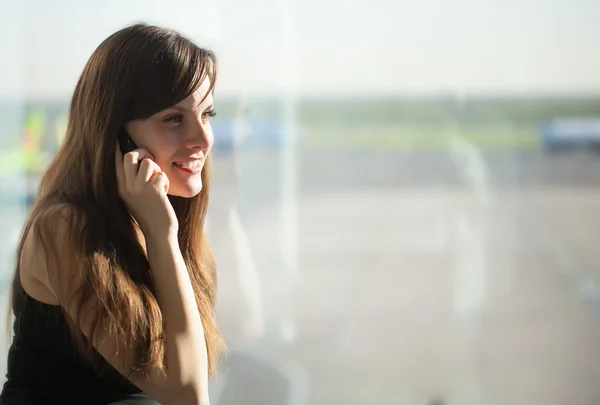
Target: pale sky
x,y
324,47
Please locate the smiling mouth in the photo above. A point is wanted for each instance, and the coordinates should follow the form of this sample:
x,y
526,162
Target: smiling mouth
x,y
194,164
191,167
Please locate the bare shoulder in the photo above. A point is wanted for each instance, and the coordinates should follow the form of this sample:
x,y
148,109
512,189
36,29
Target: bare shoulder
x,y
48,245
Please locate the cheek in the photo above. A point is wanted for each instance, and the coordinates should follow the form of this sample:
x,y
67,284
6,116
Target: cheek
x,y
165,162
210,140
163,148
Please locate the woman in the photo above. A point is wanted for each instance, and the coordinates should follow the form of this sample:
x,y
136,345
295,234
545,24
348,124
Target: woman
x,y
114,288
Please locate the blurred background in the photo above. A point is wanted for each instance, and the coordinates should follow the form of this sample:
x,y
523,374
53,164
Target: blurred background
x,y
406,195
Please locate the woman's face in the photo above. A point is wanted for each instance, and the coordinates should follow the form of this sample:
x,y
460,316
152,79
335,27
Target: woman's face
x,y
180,139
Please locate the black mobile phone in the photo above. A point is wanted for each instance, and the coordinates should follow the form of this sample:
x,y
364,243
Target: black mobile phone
x,y
125,142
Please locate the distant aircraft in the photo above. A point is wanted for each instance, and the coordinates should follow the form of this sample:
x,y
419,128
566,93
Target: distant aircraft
x,y
22,161
565,133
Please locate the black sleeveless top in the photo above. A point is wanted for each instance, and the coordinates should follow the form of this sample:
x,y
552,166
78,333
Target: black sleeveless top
x,y
44,366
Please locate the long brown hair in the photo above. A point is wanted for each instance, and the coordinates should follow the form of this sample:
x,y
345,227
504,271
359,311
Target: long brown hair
x,y
134,73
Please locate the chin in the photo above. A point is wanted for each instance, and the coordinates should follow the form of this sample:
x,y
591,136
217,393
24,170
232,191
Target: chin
x,y
186,190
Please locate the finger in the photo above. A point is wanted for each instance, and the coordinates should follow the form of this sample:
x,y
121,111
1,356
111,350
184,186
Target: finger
x,y
161,182
131,164
146,171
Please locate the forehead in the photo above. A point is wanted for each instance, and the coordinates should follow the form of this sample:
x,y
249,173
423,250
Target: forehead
x,y
199,98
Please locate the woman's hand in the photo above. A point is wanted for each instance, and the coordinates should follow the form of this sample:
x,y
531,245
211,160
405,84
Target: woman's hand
x,y
144,187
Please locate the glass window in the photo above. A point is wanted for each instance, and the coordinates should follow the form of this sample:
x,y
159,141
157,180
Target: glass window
x,y
404,195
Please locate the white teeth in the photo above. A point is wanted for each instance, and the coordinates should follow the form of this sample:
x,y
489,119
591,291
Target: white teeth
x,y
190,165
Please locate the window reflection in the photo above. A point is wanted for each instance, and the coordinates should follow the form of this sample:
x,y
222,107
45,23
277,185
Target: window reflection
x,y
380,247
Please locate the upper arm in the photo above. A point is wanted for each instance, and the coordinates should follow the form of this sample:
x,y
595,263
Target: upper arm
x,y
46,249
57,263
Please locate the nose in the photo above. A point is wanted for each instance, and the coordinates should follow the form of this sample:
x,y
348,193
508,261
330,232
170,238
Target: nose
x,y
200,135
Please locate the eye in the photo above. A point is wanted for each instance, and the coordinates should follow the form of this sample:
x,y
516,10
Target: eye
x,y
175,119
209,114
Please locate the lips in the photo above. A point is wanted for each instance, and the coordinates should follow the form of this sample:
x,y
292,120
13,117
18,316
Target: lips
x,y
191,166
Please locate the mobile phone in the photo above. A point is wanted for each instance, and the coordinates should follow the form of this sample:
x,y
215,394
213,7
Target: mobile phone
x,y
125,142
